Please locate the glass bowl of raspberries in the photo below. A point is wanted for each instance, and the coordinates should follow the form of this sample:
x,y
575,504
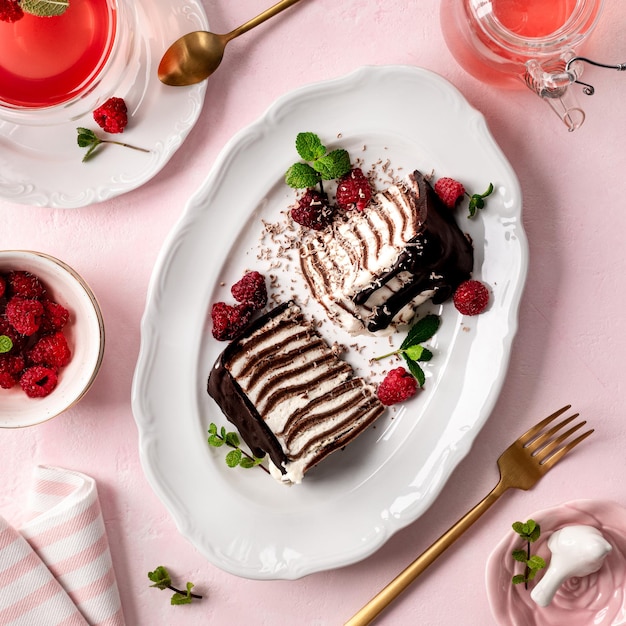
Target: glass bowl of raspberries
x,y
51,337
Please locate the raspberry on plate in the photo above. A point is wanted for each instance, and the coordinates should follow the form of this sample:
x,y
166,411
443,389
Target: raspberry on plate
x,y
25,285
398,386
229,321
10,368
3,286
38,381
450,191
55,316
51,350
251,289
10,11
24,315
471,297
353,190
112,116
312,211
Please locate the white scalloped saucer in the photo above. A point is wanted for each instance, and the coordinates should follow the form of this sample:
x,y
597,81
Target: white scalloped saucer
x,y
42,165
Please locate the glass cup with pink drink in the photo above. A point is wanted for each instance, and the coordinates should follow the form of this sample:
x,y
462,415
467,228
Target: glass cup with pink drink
x,y
60,59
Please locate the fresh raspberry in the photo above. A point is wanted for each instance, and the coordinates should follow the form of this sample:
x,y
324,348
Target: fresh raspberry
x,y
112,115
8,380
11,363
229,321
25,285
353,190
3,286
312,211
55,316
10,368
51,350
450,191
10,11
24,315
38,381
471,297
397,386
251,290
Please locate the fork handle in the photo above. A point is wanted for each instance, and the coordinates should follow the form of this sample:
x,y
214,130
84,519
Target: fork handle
x,y
389,593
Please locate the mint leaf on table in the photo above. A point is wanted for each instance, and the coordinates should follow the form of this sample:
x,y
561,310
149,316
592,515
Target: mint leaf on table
x,y
411,350
160,577
183,598
162,580
44,8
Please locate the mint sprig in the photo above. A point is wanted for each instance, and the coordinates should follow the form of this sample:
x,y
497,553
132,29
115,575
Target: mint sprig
x,y
411,350
477,201
161,579
237,457
88,139
319,164
6,344
529,532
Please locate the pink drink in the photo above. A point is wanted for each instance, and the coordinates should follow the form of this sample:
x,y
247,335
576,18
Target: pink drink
x,y
493,40
46,61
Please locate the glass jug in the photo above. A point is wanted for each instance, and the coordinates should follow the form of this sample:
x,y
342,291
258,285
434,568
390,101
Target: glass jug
x,y
509,43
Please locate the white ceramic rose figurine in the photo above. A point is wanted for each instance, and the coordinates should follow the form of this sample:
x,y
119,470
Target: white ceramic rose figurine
x,y
576,551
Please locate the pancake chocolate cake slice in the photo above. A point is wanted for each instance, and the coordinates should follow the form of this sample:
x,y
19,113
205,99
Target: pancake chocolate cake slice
x,y
289,394
371,270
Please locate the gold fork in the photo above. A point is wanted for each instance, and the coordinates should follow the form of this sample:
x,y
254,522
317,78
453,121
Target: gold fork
x,y
521,466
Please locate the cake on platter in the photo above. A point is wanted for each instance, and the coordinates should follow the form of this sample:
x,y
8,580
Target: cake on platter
x,y
370,272
289,393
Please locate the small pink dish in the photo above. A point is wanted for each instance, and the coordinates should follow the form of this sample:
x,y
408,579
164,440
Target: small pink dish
x,y
598,599
84,333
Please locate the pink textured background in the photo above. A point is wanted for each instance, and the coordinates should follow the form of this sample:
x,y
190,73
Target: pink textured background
x,y
570,346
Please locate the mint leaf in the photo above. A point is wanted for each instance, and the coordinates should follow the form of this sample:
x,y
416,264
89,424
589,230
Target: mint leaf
x,y
477,200
162,580
536,562
88,139
233,458
309,146
333,165
519,555
421,331
415,370
518,579
237,456
160,577
6,344
180,598
418,353
44,8
301,176
232,440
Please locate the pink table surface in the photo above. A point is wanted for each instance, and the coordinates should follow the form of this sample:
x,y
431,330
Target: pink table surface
x,y
569,349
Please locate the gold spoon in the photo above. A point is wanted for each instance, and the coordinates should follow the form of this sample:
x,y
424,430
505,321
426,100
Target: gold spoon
x,y
195,56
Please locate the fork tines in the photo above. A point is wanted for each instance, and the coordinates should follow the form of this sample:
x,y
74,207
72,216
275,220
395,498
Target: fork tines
x,y
543,442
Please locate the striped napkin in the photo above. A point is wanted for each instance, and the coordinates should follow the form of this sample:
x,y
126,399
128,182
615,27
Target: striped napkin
x,y
57,570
